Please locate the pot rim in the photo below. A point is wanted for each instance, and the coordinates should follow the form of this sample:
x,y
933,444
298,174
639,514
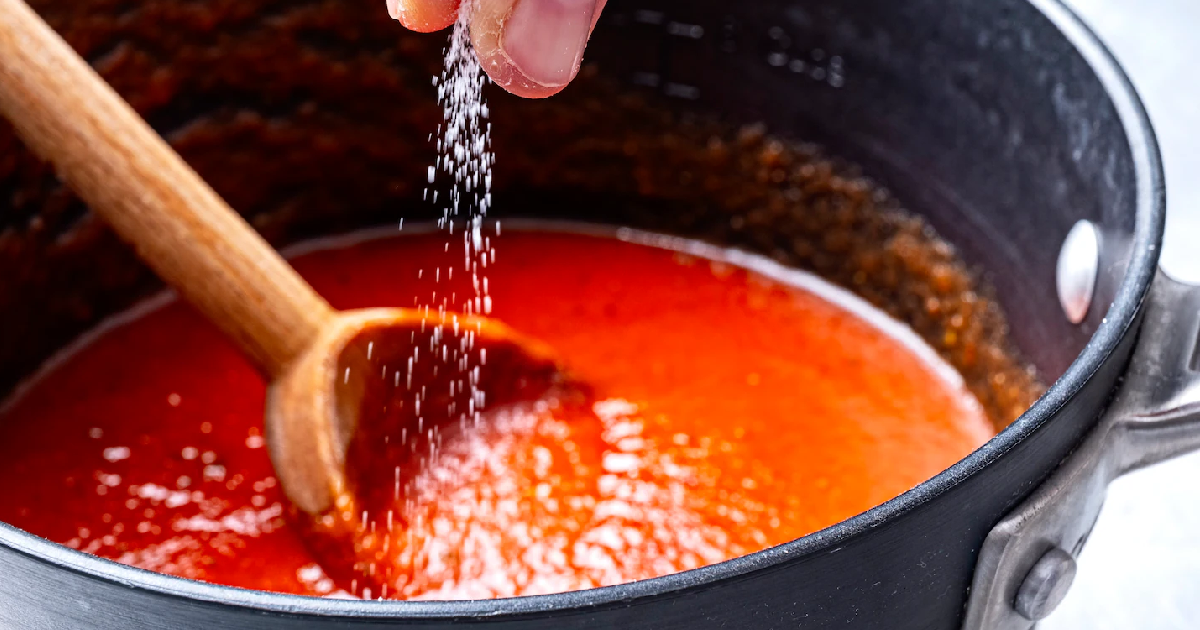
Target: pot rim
x,y
1148,230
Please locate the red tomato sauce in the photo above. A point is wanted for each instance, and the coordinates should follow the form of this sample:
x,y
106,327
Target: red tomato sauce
x,y
733,411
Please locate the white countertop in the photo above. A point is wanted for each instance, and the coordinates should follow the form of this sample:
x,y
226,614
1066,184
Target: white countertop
x,y
1141,569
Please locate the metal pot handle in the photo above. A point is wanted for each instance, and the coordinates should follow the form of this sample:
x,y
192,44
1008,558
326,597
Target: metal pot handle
x,y
1027,562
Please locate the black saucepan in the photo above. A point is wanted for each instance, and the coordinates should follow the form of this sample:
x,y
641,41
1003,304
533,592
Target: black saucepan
x,y
1006,124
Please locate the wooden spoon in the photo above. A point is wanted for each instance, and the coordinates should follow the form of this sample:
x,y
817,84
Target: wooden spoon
x,y
322,364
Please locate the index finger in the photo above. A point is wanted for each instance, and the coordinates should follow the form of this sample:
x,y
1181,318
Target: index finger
x,y
424,16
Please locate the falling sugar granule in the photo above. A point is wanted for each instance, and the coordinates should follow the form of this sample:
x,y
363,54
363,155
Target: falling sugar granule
x,y
464,156
459,183
464,153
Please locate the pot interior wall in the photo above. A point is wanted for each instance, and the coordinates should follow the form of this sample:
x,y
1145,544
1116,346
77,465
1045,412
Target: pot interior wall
x,y
972,113
303,115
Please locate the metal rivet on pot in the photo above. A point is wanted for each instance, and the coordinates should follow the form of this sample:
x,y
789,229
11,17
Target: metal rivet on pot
x,y
1078,265
1046,585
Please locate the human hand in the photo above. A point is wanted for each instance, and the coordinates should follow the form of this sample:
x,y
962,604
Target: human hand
x,y
531,48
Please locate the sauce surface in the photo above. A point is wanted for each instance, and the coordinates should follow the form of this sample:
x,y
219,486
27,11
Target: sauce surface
x,y
732,412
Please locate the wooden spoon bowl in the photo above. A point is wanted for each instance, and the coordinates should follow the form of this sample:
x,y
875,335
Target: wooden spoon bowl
x,y
368,405
397,364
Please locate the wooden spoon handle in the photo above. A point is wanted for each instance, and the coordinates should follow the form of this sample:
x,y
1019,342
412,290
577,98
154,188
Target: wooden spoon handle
x,y
68,115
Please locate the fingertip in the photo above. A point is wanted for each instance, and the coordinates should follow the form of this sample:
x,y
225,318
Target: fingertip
x,y
424,16
532,41
505,74
533,91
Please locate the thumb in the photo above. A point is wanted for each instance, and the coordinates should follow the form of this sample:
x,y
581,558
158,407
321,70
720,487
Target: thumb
x,y
533,48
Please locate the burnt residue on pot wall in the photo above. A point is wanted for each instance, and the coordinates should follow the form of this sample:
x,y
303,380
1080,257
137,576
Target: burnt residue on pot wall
x,y
313,118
